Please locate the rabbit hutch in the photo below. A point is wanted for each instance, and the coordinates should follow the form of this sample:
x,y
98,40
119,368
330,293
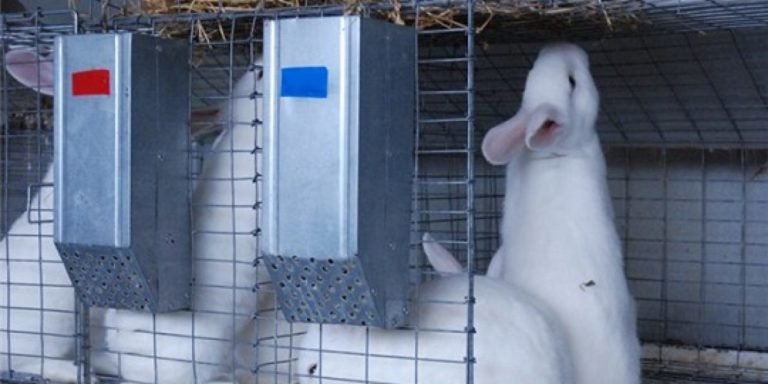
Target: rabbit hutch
x,y
683,123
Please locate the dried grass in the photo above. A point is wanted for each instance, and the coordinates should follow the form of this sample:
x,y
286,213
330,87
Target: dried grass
x,y
611,14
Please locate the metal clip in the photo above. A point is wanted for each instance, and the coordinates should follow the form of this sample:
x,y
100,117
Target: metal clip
x,y
39,219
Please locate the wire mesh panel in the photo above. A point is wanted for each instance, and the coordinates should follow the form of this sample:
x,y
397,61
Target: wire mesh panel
x,y
444,149
214,340
671,90
694,229
677,90
444,203
684,113
40,326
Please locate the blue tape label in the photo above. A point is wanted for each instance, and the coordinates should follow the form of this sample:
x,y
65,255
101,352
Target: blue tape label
x,y
304,82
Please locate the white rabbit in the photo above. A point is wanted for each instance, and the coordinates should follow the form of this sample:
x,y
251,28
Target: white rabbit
x,y
224,250
558,240
442,260
36,295
515,342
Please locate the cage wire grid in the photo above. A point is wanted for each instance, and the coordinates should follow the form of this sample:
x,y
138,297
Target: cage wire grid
x,y
26,144
696,274
155,335
669,93
237,263
697,287
229,272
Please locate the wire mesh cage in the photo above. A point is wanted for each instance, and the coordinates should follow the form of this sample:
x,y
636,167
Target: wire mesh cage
x,y
684,108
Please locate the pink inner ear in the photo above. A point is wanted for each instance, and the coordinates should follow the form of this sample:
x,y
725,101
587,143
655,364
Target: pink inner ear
x,y
30,70
505,140
545,135
545,126
204,121
205,114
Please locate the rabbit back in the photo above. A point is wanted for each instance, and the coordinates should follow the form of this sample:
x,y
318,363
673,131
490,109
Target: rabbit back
x,y
515,342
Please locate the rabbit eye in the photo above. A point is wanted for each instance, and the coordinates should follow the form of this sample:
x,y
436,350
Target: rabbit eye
x,y
312,369
572,81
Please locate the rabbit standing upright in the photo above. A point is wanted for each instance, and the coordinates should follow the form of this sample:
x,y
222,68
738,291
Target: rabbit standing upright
x,y
558,240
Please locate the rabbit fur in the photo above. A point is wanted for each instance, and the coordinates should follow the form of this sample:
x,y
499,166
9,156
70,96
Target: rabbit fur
x,y
558,240
224,248
36,295
441,260
515,342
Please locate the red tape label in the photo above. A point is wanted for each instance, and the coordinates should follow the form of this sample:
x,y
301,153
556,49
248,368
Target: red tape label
x,y
91,82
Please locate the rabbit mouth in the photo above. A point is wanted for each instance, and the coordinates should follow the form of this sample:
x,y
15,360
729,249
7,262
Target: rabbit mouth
x,y
543,136
548,127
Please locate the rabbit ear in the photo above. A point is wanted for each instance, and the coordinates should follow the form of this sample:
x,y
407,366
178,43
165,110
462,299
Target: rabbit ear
x,y
505,140
494,268
439,257
546,126
204,122
30,69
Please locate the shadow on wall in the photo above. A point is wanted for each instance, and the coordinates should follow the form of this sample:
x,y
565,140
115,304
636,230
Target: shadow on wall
x,y
24,158
11,6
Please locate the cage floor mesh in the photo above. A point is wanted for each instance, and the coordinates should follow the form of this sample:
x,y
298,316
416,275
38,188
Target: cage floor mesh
x,y
672,378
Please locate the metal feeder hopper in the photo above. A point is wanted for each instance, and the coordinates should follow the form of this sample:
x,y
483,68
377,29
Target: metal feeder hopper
x,y
338,162
121,223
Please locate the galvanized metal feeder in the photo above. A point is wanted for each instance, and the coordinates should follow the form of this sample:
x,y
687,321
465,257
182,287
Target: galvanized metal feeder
x,y
121,222
338,159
